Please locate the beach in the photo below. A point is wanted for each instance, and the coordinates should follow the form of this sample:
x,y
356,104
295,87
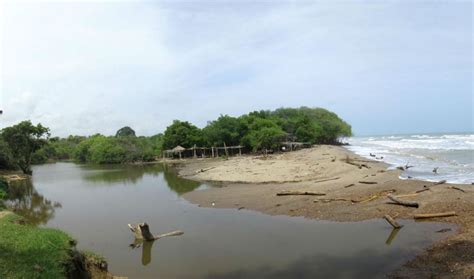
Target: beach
x,y
347,188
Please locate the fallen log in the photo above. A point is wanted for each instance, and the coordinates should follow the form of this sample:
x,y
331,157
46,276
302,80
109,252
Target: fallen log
x,y
404,203
373,196
368,182
407,195
360,166
434,215
326,179
331,200
204,170
424,189
392,222
142,231
301,193
457,188
439,182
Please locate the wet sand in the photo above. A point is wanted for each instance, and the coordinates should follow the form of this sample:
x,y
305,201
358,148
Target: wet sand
x,y
251,182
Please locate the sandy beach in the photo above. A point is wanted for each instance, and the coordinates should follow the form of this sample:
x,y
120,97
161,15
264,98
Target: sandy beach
x,y
352,188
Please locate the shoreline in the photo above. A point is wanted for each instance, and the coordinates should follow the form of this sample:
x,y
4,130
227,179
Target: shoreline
x,y
251,182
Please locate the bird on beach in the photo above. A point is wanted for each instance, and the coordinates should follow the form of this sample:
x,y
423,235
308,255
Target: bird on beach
x,y
435,170
372,155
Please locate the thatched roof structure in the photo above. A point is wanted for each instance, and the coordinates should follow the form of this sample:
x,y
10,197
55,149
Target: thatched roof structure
x,y
178,148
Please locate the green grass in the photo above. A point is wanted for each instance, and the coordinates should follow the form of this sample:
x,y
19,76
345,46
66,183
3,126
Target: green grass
x,y
30,252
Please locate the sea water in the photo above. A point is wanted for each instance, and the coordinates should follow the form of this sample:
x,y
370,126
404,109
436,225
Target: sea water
x,y
451,154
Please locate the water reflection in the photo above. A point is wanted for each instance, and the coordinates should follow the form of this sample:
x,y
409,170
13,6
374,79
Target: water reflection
x,y
146,249
24,200
178,184
133,174
392,236
110,174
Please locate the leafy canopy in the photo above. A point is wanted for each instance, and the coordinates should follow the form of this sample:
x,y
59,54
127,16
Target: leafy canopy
x,y
23,140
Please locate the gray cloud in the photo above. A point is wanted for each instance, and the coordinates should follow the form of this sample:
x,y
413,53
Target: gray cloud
x,y
88,67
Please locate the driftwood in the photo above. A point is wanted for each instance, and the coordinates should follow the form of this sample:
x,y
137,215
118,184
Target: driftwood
x,y
434,215
331,200
142,231
204,170
373,196
360,166
368,182
407,195
326,179
404,203
350,185
439,182
392,222
424,189
296,193
457,188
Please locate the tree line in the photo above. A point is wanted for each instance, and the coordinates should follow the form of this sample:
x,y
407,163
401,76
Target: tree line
x,y
24,144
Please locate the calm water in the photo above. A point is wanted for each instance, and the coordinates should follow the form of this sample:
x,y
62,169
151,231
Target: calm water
x,y
94,204
452,154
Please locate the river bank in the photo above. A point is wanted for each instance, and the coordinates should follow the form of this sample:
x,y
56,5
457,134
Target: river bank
x,y
29,251
250,182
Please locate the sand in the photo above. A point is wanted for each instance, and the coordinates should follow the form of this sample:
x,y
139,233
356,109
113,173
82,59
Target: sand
x,y
252,182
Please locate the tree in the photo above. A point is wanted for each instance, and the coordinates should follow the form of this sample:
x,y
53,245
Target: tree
x,y
125,132
6,158
225,129
263,134
182,133
23,140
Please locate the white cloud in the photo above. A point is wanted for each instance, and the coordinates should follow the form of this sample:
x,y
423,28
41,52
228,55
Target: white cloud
x,y
94,67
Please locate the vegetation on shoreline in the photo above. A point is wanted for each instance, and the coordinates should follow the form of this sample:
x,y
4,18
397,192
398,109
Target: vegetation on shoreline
x,y
258,130
31,252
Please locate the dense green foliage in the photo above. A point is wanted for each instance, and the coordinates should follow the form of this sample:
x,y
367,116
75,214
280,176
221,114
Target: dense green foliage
x,y
23,140
125,132
32,252
182,133
99,149
259,130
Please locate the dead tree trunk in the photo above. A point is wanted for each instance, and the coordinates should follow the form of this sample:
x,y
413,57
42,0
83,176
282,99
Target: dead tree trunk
x,y
392,222
142,231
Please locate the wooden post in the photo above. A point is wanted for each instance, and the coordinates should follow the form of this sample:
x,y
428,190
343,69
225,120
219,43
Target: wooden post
x,y
179,155
392,222
217,152
225,150
240,151
194,149
212,150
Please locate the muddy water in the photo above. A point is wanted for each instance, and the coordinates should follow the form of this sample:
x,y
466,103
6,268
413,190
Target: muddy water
x,y
94,204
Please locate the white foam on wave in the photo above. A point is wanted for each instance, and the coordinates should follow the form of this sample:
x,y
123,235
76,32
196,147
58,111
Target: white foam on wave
x,y
452,154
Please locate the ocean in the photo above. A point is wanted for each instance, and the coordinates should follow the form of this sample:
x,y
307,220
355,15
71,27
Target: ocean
x,y
452,154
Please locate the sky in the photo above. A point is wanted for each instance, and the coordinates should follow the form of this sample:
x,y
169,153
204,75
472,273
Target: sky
x,y
86,67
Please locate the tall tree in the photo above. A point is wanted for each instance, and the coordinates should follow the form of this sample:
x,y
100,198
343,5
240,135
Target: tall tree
x,y
24,139
125,132
182,133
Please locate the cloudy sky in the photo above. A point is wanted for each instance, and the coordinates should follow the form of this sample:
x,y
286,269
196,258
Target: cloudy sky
x,y
386,67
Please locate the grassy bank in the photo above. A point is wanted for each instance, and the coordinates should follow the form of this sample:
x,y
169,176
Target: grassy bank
x,y
32,252
28,251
